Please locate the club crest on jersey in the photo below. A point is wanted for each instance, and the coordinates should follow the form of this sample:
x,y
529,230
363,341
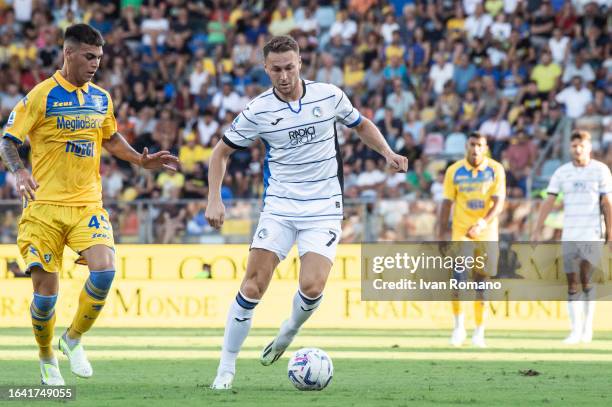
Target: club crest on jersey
x,y
316,112
263,233
47,257
98,101
234,123
11,119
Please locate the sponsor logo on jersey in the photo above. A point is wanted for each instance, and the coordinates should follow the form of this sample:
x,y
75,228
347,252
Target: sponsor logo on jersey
x,y
275,122
98,101
78,123
301,136
62,104
80,148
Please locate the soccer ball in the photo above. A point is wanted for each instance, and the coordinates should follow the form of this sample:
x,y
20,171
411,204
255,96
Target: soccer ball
x,y
310,369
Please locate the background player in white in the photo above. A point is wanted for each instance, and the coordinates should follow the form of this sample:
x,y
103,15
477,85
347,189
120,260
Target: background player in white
x,y
302,192
587,188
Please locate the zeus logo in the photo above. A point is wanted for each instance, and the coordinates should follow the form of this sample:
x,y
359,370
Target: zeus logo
x,y
301,136
80,148
78,123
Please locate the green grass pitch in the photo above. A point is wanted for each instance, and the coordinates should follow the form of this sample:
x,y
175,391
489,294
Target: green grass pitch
x,y
174,367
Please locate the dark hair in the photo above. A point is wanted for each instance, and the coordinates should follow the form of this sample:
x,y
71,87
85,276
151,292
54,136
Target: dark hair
x,y
582,135
476,134
83,34
281,43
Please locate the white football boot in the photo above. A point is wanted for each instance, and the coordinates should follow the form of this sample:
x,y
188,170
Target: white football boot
x,y
223,381
458,336
478,338
573,338
50,374
79,365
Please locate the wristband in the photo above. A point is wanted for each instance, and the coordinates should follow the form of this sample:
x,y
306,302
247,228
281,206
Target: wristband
x,y
482,224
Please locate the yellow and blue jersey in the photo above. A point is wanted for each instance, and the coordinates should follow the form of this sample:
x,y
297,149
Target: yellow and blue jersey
x,y
66,125
472,190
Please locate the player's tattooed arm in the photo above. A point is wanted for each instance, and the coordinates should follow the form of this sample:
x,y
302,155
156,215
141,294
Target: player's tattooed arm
x,y
10,155
118,146
25,183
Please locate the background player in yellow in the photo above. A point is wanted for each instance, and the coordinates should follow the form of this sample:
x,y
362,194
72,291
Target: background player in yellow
x,y
477,187
68,120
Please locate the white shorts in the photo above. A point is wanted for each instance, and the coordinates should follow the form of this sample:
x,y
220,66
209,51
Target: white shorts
x,y
575,252
278,235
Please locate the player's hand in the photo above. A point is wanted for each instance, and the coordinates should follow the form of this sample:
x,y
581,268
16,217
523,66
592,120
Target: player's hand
x,y
535,236
215,213
161,159
26,184
475,230
443,247
396,162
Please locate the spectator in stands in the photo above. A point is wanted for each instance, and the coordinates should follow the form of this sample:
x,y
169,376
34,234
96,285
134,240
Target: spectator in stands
x,y
329,72
575,98
463,73
578,68
440,73
183,69
390,126
498,132
520,155
400,100
546,75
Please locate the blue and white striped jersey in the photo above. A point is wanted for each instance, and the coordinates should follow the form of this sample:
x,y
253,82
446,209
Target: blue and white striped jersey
x,y
302,166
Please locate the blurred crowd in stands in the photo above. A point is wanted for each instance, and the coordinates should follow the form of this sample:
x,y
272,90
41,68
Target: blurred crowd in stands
x,y
523,72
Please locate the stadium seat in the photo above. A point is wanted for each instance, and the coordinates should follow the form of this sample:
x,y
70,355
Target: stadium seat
x,y
454,145
434,144
547,170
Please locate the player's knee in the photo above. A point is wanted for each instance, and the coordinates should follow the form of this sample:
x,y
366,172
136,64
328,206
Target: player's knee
x,y
312,289
101,259
101,282
44,283
43,306
251,289
103,263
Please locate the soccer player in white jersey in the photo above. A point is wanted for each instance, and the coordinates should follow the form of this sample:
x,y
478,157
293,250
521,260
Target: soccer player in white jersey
x,y
587,188
302,192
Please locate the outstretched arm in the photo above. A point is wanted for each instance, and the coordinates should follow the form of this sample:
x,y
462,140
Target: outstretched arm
x,y
215,210
373,138
26,185
120,148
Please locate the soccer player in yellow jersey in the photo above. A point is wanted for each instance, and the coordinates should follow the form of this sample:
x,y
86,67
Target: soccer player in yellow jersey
x,y
477,187
68,120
